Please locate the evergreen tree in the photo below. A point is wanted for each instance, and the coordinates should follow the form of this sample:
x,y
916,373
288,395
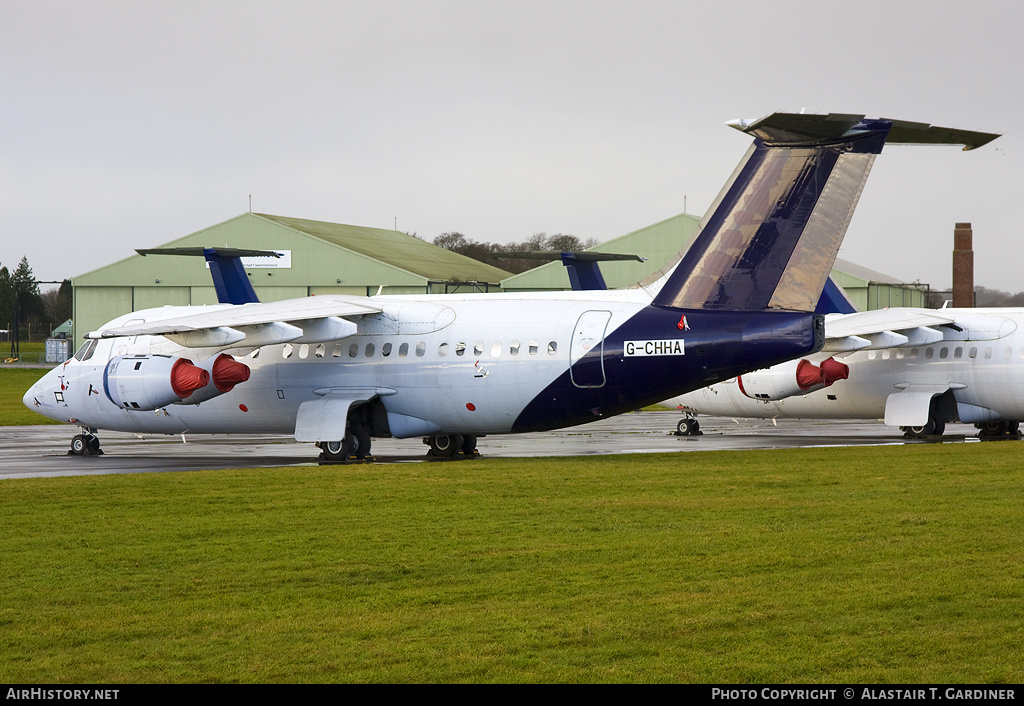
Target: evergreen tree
x,y
6,298
29,303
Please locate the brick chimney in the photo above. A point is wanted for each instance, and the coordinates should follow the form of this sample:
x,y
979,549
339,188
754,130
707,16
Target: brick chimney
x,y
963,266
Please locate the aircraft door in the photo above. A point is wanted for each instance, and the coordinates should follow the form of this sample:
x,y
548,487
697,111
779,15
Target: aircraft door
x,y
586,351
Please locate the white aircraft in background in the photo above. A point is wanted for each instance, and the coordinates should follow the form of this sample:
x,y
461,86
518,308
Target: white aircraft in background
x,y
916,369
338,370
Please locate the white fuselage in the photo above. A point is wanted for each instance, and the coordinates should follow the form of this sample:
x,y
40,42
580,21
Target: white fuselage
x,y
459,362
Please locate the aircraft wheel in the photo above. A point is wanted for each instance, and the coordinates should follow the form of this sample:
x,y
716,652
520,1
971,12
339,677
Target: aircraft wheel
x,y
338,451
445,445
920,432
993,428
79,445
469,445
688,427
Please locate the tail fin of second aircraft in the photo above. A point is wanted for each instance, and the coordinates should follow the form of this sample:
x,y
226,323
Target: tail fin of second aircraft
x,y
772,235
229,279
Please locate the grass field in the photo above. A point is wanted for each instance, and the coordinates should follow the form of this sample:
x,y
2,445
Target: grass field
x,y
881,564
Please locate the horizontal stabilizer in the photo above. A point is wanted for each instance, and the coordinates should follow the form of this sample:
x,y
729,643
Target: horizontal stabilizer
x,y
804,128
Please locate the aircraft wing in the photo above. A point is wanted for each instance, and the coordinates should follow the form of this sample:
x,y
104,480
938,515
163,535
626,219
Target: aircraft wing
x,y
307,320
884,328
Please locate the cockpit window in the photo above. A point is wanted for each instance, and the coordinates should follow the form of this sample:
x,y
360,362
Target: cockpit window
x,y
85,352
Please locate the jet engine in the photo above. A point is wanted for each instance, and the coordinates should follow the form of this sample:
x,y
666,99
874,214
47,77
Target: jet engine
x,y
797,377
225,372
148,382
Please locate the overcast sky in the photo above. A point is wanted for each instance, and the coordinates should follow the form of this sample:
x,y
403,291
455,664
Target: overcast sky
x,y
128,124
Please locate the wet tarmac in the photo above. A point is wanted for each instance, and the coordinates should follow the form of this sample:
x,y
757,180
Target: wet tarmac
x,y
39,451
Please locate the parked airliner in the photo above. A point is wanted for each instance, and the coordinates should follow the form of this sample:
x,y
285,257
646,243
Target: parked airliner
x,y
338,370
916,369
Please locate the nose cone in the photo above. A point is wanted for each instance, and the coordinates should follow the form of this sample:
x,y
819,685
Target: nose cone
x,y
40,397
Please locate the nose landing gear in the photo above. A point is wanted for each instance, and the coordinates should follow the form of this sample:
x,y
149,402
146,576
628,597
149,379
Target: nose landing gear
x,y
87,444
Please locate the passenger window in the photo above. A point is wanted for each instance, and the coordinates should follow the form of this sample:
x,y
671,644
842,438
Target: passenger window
x,y
421,348
513,348
958,352
353,350
460,349
972,352
552,347
287,350
496,349
929,353
442,350
478,349
255,354
403,350
534,347
370,348
336,352
321,351
385,350
304,351
988,353
943,352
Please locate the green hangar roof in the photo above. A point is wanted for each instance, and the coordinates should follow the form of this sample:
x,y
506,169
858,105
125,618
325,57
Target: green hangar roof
x,y
397,249
320,258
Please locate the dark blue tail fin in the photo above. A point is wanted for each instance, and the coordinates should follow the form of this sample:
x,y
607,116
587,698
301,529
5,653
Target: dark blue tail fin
x,y
229,278
834,300
772,236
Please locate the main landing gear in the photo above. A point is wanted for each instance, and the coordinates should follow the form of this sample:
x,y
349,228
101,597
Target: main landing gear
x,y
355,446
935,426
999,430
452,445
86,444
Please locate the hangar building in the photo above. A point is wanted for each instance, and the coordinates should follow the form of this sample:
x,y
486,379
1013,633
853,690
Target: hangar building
x,y
660,242
319,258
